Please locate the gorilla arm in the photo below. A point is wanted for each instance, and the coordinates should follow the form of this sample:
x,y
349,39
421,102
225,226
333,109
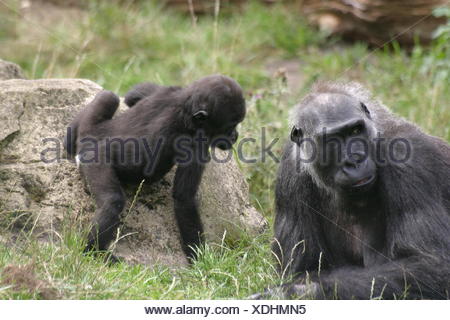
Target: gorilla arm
x,y
408,277
298,242
415,266
186,182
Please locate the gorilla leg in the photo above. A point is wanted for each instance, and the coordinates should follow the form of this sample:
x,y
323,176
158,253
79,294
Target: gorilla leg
x,y
110,200
140,91
102,108
144,90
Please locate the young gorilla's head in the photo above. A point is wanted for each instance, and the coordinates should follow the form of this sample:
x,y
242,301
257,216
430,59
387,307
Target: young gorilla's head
x,y
334,134
216,105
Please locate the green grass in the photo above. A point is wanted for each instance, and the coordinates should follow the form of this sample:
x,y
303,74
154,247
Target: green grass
x,y
59,270
119,46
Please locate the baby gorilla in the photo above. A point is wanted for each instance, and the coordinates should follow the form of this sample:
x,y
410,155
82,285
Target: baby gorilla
x,y
164,127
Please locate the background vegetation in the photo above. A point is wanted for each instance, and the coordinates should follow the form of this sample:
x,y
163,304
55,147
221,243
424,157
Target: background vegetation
x,y
117,45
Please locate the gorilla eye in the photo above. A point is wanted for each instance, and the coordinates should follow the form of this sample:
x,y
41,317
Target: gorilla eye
x,y
296,134
356,130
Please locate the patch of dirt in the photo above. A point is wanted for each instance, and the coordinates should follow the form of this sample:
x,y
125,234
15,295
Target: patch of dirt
x,y
289,69
24,278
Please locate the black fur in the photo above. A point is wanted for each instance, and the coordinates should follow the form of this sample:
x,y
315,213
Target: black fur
x,y
146,89
212,106
389,239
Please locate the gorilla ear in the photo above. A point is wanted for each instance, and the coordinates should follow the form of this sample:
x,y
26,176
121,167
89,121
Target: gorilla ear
x,y
366,111
296,134
200,115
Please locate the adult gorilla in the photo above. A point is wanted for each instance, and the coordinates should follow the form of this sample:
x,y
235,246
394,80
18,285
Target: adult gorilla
x,y
362,202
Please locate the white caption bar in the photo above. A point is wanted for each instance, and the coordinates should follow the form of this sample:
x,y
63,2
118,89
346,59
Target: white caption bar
x,y
220,309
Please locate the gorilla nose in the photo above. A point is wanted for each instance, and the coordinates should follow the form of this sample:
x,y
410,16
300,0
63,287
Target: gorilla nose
x,y
226,142
357,157
354,163
354,160
224,145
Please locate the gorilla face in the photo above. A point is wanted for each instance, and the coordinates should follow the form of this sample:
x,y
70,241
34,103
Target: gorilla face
x,y
222,128
226,141
344,157
341,130
218,109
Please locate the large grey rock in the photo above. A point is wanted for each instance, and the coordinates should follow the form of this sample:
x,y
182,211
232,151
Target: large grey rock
x,y
46,195
9,70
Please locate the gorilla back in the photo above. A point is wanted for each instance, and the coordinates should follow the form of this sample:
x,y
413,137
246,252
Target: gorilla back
x,y
165,126
362,202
